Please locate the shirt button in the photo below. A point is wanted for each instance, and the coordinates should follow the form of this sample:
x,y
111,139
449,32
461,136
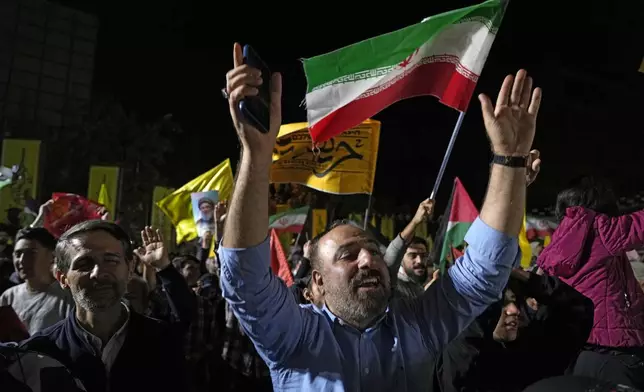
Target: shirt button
x,y
366,370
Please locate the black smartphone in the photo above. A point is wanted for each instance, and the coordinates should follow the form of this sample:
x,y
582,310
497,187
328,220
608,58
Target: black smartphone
x,y
257,110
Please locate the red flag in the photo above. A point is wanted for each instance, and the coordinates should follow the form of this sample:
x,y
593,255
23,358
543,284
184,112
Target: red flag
x,y
279,262
68,210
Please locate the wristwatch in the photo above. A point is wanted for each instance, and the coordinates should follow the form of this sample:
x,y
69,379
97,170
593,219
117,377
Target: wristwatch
x,y
518,162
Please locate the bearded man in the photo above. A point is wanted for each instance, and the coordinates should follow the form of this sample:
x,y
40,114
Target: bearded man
x,y
359,340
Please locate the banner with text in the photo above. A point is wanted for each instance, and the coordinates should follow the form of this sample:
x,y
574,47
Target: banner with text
x,y
345,164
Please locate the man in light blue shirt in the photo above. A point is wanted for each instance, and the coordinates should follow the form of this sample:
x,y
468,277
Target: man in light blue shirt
x,y
360,340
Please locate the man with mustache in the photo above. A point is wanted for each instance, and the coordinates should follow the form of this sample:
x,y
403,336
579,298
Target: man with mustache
x,y
359,340
106,345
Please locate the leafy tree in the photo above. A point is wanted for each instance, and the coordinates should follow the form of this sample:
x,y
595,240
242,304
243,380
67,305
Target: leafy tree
x,y
111,136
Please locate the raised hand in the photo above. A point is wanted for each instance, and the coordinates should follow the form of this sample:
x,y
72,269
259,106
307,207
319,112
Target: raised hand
x,y
424,212
153,253
242,81
511,123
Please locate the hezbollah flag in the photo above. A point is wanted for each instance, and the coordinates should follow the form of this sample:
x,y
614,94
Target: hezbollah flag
x,y
344,165
441,56
178,205
103,186
459,216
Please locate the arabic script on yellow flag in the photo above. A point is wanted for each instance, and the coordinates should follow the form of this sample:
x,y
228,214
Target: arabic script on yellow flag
x,y
345,164
178,206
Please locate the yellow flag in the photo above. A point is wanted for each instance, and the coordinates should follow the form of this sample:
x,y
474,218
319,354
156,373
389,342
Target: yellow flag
x,y
524,244
103,196
104,182
387,227
25,154
157,218
178,205
345,164
319,221
421,230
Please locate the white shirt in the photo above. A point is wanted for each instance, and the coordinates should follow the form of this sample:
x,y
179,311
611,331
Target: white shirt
x,y
112,347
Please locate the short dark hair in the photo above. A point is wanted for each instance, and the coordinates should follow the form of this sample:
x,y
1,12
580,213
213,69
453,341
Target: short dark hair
x,y
418,241
589,192
314,257
63,260
181,260
44,237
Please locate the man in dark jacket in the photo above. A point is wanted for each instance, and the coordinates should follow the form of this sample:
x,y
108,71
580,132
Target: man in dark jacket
x,y
502,351
105,345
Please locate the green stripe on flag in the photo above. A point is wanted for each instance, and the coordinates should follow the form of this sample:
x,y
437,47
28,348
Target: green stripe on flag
x,y
453,238
296,211
387,50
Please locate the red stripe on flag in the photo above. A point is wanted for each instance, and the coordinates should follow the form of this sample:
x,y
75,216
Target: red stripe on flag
x,y
439,79
279,262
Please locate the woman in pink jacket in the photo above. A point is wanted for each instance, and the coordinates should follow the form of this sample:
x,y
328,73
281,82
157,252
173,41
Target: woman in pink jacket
x,y
588,252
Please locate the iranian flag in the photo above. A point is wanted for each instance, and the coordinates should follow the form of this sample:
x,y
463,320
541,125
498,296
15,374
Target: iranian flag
x,y
289,221
442,56
462,213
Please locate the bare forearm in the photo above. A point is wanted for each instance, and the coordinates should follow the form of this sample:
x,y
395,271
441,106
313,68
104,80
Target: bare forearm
x,y
408,232
505,201
247,218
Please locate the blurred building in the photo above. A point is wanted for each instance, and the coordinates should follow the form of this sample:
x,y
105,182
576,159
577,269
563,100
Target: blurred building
x,y
46,65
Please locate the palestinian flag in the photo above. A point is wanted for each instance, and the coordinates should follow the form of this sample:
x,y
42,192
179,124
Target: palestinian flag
x,y
442,56
289,221
459,216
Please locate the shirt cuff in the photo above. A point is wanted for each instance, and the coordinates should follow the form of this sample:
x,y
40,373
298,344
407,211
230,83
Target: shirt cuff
x,y
488,242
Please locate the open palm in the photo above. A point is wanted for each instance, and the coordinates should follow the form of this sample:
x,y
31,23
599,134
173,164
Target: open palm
x,y
511,123
153,252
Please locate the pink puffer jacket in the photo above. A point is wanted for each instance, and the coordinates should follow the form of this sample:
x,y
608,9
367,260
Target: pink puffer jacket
x,y
588,252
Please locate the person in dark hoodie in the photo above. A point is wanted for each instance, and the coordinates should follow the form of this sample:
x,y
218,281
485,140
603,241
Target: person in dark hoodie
x,y
511,346
105,345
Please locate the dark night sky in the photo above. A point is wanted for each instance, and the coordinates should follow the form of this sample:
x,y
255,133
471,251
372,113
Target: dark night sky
x,y
171,56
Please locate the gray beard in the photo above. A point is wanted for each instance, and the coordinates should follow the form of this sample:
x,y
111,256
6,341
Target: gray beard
x,y
83,299
355,308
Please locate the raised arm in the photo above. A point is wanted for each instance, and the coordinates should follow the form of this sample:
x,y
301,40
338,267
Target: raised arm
x,y
398,246
622,233
265,308
477,279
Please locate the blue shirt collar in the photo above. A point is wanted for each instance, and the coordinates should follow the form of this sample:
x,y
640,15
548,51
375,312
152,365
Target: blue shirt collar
x,y
385,317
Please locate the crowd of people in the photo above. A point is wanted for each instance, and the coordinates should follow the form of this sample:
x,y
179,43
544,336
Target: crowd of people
x,y
92,312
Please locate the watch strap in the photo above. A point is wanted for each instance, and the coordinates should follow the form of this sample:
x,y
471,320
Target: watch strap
x,y
509,161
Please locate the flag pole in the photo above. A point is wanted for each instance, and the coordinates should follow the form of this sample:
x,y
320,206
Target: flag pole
x,y
450,147
366,214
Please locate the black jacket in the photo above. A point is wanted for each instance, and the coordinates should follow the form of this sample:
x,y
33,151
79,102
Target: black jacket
x,y
151,358
547,341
